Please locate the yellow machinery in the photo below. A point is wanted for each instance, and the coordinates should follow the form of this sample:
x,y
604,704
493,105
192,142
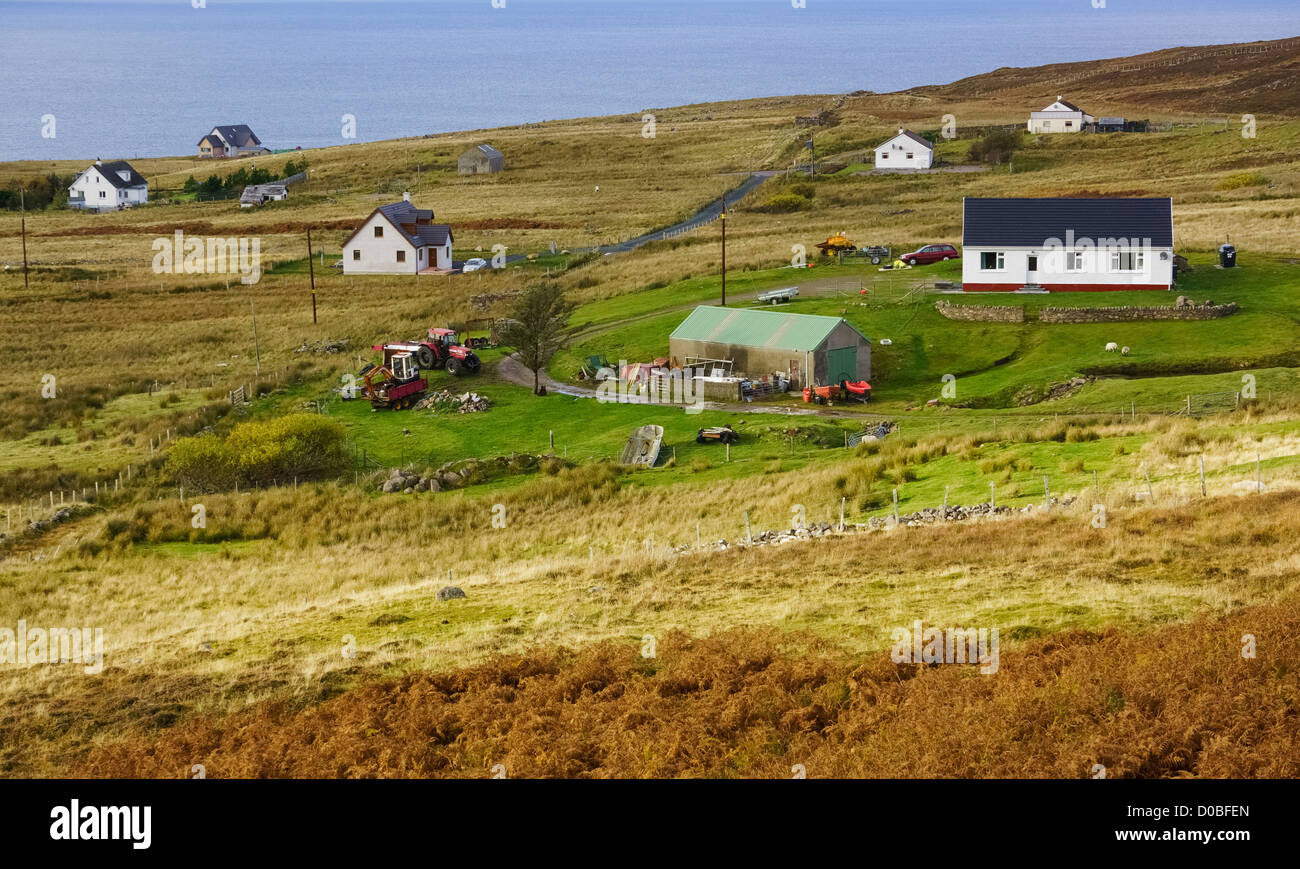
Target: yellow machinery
x,y
836,244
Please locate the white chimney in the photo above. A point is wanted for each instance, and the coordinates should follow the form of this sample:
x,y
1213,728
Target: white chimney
x,y
1059,98
406,196
99,162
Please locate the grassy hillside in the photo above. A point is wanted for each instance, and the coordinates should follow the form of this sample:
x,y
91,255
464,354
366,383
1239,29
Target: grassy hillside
x,y
238,626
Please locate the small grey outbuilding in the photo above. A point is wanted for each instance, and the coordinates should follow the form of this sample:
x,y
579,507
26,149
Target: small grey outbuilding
x,y
481,160
810,350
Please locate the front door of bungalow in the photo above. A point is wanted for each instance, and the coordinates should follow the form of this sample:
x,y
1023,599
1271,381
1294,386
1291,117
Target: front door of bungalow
x,y
1032,276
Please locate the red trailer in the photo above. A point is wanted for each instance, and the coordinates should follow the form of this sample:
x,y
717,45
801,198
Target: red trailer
x,y
396,383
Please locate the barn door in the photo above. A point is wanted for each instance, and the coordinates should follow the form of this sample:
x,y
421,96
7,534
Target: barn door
x,y
841,364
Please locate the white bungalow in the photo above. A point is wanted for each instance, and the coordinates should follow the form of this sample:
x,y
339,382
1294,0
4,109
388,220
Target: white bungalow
x,y
1060,117
1055,245
907,150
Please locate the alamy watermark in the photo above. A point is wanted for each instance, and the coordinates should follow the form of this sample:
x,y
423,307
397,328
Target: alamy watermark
x,y
179,255
28,646
922,645
640,384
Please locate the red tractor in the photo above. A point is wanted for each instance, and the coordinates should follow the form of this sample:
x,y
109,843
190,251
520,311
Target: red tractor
x,y
443,350
396,383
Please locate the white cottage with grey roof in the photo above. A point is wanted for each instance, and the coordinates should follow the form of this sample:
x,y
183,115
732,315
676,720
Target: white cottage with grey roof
x,y
1061,116
108,187
398,239
1065,244
907,150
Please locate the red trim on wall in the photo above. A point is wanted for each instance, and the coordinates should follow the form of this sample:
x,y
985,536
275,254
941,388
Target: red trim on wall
x,y
1063,288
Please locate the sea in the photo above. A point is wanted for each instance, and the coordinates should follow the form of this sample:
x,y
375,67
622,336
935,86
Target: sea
x,y
151,77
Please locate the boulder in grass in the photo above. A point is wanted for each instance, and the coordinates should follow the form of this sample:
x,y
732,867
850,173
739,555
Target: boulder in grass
x,y
451,592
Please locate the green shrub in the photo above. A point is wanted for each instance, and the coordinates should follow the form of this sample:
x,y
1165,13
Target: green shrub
x,y
785,203
1243,179
300,445
996,147
202,464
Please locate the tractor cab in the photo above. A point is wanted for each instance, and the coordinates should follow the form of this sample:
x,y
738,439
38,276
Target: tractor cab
x,y
444,337
403,367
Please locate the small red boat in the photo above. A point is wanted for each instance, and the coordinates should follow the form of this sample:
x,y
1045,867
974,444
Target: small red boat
x,y
859,390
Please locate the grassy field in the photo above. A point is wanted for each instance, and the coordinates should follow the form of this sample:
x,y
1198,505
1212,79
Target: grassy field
x,y
239,626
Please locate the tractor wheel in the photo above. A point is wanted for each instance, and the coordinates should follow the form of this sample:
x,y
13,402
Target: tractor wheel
x,y
875,260
426,357
453,367
472,364
366,369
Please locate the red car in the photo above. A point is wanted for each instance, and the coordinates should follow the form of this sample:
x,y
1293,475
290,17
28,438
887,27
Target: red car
x,y
931,253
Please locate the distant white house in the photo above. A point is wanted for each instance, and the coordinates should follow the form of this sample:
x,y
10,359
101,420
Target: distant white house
x,y
398,239
1060,117
907,150
108,187
1067,244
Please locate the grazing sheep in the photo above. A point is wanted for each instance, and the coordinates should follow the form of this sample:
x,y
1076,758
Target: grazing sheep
x,y
1123,352
1112,347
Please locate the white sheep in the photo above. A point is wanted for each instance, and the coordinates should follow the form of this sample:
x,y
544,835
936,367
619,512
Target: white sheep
x,y
1112,347
1124,351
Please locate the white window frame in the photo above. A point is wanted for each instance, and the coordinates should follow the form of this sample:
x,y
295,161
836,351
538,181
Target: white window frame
x,y
1001,260
1075,261
1117,260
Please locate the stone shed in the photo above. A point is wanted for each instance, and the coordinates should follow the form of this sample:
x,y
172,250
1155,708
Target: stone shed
x,y
481,160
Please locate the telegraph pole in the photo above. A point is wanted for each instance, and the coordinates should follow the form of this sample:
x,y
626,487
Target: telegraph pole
x,y
311,271
724,250
22,200
257,348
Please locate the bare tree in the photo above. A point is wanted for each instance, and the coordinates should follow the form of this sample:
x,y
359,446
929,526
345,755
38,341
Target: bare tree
x,y
537,327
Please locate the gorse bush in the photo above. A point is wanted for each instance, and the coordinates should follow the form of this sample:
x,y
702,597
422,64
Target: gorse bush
x,y
785,203
1243,179
300,445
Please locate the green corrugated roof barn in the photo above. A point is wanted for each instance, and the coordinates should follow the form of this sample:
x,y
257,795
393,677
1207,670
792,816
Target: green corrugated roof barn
x,y
758,343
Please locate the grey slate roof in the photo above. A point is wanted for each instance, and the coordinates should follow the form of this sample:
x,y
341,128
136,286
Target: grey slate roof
x,y
110,170
489,151
414,224
254,192
1031,222
1069,105
921,140
433,233
236,135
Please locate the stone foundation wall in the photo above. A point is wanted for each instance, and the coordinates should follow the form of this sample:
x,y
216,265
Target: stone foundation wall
x,y
1129,313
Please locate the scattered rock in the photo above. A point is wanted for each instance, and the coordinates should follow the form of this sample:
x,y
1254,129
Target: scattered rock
x,y
330,347
451,592
388,619
1067,388
445,401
